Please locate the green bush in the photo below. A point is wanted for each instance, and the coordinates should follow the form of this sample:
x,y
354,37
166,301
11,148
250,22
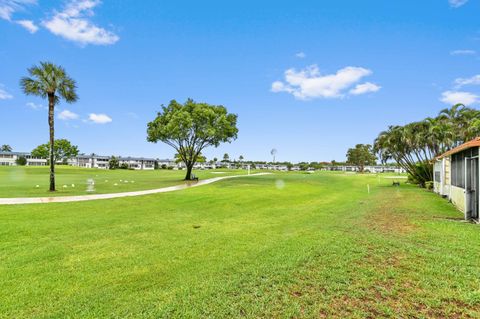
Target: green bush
x,y
21,161
113,163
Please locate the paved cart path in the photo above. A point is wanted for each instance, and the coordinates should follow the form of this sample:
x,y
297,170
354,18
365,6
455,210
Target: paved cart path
x,y
79,198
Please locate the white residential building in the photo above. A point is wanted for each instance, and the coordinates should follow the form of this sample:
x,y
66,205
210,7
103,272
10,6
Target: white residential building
x,y
10,159
90,161
102,162
138,163
457,176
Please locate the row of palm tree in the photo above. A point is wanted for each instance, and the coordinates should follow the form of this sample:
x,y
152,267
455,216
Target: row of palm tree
x,y
414,146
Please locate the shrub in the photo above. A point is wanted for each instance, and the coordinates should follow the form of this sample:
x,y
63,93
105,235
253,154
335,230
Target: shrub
x,y
21,161
113,163
123,166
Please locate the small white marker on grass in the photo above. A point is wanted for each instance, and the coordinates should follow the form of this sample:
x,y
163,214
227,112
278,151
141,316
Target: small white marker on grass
x,y
37,186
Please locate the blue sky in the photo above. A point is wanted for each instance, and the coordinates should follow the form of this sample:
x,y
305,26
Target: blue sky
x,y
309,78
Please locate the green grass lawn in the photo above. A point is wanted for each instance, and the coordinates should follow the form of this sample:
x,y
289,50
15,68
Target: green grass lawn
x,y
18,181
277,246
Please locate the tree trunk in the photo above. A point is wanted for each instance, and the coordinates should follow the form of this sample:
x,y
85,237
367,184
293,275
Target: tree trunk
x,y
189,172
51,108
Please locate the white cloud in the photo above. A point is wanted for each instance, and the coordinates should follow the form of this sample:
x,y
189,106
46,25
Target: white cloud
x,y
301,55
4,95
474,80
454,97
9,7
67,115
309,83
363,88
99,118
73,24
35,106
133,115
457,3
28,24
463,52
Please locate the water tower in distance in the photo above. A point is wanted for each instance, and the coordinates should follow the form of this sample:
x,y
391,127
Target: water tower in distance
x,y
273,152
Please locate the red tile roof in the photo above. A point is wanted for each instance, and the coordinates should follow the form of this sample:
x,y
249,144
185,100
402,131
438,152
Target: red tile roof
x,y
473,143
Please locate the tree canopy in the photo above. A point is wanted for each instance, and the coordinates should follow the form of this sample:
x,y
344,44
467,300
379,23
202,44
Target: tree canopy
x,y
191,127
49,80
113,163
361,156
200,158
62,150
415,145
5,148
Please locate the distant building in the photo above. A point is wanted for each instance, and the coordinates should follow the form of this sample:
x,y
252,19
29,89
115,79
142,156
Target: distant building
x,y
456,177
368,169
102,162
10,159
85,161
138,163
90,161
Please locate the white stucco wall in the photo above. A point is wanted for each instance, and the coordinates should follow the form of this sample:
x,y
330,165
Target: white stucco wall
x,y
457,196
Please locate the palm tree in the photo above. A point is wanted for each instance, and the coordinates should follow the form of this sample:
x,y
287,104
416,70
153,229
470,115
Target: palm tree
x,y
415,145
50,81
5,148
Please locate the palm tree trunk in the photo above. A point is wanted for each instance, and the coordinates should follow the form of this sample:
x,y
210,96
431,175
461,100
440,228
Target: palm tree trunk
x,y
51,123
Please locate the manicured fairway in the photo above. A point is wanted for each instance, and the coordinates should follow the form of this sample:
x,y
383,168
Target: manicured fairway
x,y
23,181
281,246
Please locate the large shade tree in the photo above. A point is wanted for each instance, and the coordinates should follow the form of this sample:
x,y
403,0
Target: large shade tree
x,y
191,127
200,158
62,151
360,156
50,82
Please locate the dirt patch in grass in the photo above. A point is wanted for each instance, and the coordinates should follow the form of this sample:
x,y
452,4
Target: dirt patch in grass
x,y
387,216
378,303
391,296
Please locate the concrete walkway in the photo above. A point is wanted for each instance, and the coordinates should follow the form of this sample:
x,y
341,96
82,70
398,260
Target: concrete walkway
x,y
80,198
